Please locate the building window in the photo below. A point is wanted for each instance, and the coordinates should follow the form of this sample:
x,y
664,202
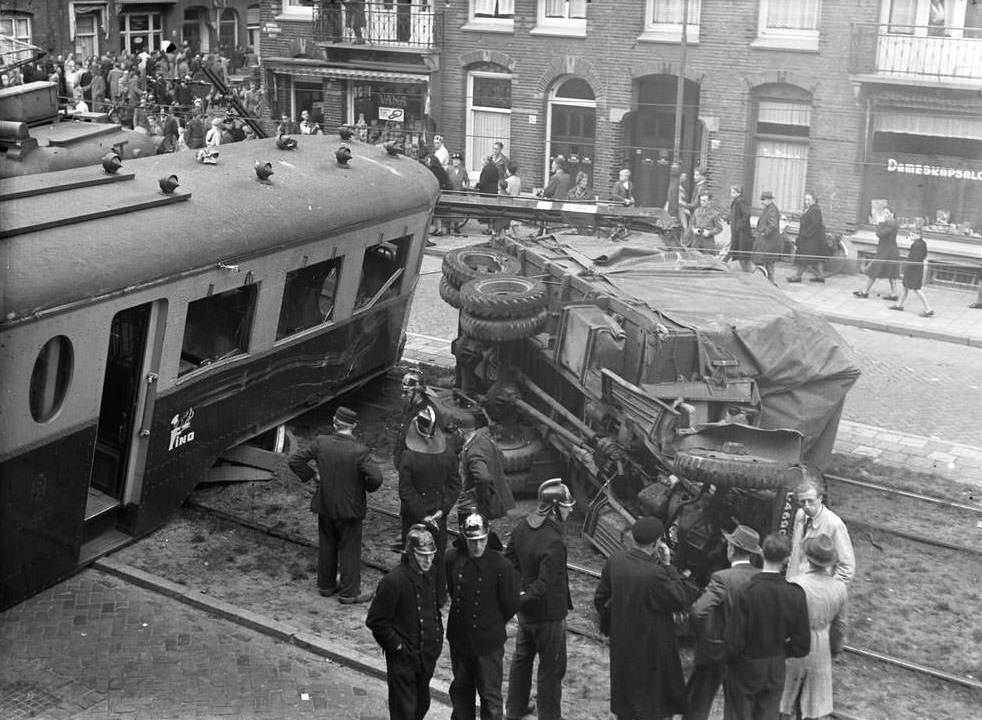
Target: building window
x,y
141,31
252,28
663,21
50,378
488,116
789,25
382,272
781,141
573,127
491,15
86,22
561,17
228,29
298,9
15,30
218,327
308,297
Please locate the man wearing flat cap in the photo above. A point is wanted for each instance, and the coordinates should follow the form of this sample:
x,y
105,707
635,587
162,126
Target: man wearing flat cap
x,y
638,593
345,472
709,616
767,235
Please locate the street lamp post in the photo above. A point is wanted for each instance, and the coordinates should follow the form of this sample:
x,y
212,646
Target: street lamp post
x,y
676,169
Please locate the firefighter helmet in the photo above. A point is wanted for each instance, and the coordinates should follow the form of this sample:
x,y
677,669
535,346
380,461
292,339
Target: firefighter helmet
x,y
475,527
426,422
555,493
420,540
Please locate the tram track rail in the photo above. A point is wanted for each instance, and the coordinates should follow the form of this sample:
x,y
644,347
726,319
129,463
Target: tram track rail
x,y
300,540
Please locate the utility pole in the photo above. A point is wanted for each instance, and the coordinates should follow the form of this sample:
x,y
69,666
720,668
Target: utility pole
x,y
676,168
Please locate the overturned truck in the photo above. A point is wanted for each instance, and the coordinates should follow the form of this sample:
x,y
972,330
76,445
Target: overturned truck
x,y
653,379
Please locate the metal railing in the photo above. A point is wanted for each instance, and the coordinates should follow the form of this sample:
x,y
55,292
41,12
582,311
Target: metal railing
x,y
390,23
916,52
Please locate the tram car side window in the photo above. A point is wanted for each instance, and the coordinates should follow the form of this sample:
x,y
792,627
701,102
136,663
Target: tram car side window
x,y
308,297
217,327
381,271
50,378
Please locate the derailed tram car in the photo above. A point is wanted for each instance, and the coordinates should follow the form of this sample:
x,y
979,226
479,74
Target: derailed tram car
x,y
660,382
147,328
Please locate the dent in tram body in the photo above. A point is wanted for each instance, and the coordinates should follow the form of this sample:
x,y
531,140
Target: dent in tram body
x,y
138,344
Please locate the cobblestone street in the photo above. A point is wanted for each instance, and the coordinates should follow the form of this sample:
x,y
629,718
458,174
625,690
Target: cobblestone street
x,y
96,648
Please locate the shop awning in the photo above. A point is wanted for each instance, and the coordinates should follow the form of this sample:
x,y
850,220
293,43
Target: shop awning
x,y
935,125
346,73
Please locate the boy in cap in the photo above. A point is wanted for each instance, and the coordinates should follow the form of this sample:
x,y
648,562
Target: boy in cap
x,y
638,593
405,621
483,591
345,472
709,616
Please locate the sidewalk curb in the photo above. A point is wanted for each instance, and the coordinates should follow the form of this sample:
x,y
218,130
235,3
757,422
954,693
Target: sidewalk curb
x,y
302,639
838,319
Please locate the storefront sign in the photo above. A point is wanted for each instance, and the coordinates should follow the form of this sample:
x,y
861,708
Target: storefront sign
x,y
933,170
391,114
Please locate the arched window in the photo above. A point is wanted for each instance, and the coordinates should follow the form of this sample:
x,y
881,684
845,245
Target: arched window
x,y
228,29
781,130
572,126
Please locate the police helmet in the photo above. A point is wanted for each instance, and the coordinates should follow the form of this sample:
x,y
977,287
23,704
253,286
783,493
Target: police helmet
x,y
475,527
426,422
555,493
420,540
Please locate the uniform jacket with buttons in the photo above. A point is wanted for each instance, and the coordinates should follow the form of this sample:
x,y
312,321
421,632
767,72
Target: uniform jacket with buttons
x,y
347,472
404,615
483,597
539,555
427,482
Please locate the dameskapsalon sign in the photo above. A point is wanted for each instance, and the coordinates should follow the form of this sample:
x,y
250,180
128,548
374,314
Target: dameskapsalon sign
x,y
933,170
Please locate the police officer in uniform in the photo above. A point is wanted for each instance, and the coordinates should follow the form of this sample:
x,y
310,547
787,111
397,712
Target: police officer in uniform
x,y
405,621
483,591
537,549
428,486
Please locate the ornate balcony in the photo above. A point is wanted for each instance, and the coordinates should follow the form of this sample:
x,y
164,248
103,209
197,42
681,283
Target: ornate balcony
x,y
917,54
390,25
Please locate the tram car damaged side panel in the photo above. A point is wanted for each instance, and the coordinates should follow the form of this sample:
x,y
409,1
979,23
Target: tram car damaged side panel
x,y
136,347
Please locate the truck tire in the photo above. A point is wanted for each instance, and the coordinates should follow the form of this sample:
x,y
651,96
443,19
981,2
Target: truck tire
x,y
449,294
464,264
518,452
503,296
502,330
728,470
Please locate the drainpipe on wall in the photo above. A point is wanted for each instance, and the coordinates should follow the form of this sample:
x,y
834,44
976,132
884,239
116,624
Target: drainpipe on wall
x,y
676,169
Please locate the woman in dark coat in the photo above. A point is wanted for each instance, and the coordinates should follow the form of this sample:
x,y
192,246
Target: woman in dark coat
x,y
767,244
638,593
887,261
811,242
914,276
741,236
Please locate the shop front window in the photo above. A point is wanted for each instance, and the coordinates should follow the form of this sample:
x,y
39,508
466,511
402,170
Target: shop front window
x,y
926,167
141,32
386,112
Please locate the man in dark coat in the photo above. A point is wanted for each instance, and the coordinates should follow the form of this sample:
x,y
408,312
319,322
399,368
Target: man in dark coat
x,y
741,236
483,590
428,486
406,622
559,182
537,550
769,624
767,245
638,593
709,616
489,180
345,473
483,476
812,248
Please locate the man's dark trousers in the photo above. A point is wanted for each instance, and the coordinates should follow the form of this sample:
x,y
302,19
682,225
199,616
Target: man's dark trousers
x,y
476,673
701,689
408,676
753,688
340,542
548,639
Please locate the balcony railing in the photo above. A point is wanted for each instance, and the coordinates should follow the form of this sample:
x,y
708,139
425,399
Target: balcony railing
x,y
917,52
388,23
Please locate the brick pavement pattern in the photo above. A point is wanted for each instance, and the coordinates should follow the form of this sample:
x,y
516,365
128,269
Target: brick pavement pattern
x,y
97,648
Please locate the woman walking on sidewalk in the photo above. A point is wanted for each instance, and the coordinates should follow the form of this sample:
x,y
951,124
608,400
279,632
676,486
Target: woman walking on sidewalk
x,y
887,261
914,276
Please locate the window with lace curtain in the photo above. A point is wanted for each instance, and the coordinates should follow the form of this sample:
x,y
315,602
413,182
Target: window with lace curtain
x,y
488,117
781,144
789,24
663,21
561,17
493,9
